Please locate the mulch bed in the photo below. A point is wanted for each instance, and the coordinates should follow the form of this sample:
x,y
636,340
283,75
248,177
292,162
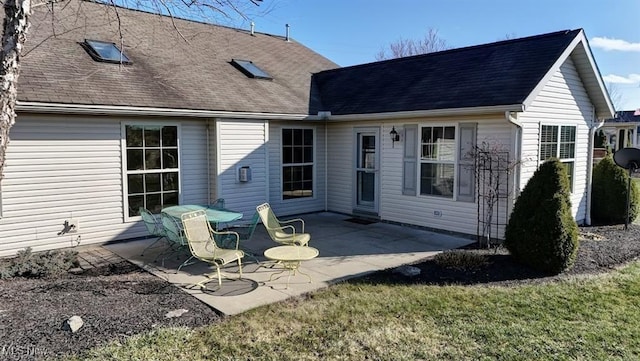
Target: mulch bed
x,y
602,248
121,300
115,302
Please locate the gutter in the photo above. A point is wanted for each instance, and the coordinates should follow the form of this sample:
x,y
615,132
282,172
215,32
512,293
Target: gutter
x,y
592,131
38,107
427,113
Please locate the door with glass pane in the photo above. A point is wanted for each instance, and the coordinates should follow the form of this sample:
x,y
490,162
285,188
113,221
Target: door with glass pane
x,y
366,171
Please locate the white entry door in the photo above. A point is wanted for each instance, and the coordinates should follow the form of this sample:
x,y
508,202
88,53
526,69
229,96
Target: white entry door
x,y
367,170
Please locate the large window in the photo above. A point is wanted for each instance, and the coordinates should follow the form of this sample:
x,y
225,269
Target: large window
x,y
559,141
152,167
297,163
437,161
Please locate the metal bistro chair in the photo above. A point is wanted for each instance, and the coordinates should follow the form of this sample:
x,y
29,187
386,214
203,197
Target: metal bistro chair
x,y
245,232
218,204
177,240
154,227
201,239
282,231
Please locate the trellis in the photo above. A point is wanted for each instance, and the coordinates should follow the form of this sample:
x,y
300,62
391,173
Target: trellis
x,y
492,169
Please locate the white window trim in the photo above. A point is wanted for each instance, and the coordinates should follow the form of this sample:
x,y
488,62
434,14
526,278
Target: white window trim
x,y
455,161
557,150
314,164
123,152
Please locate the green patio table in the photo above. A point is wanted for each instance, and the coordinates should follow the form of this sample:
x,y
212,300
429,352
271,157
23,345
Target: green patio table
x,y
214,215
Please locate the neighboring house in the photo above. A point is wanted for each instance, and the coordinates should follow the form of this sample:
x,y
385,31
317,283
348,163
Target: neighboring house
x,y
182,122
622,130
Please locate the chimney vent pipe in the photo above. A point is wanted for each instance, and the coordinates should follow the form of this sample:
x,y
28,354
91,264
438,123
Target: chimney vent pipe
x,y
287,37
253,28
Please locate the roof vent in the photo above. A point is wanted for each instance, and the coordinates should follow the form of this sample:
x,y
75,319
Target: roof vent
x,y
287,27
253,28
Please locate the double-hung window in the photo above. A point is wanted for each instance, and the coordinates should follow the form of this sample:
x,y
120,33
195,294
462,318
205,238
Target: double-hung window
x,y
297,163
152,169
559,141
437,160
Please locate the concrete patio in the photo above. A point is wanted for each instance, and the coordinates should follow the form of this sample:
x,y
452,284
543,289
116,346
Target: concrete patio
x,y
347,250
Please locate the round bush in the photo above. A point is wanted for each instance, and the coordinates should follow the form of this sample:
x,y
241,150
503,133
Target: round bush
x,y
609,194
542,232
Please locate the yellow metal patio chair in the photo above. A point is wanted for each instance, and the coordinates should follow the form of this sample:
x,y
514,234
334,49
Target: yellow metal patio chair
x,y
202,243
282,231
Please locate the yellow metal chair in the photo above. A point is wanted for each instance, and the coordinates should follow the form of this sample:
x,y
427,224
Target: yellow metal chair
x,y
282,231
202,243
177,241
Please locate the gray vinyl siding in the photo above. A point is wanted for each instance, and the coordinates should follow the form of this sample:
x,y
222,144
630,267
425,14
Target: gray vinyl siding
x,y
193,162
562,101
499,132
394,206
59,168
340,170
242,143
62,167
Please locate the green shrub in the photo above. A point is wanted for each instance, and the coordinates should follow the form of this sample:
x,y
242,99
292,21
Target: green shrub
x,y
609,194
541,231
43,264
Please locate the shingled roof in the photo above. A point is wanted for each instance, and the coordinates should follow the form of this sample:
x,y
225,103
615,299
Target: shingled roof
x,y
500,73
626,116
167,71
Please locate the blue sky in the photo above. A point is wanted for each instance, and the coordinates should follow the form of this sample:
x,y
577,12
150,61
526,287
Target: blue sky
x,y
351,32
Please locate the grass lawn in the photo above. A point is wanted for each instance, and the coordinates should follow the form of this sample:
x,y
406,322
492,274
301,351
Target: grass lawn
x,y
596,318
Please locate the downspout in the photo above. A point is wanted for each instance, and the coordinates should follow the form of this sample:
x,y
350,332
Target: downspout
x,y
208,164
326,166
592,131
512,118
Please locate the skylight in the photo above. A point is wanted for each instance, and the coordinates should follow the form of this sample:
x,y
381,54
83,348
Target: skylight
x,y
106,52
250,69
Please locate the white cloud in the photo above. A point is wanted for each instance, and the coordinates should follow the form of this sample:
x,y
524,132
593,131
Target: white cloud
x,y
614,44
617,79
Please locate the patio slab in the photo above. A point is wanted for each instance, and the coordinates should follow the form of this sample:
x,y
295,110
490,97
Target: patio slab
x,y
346,250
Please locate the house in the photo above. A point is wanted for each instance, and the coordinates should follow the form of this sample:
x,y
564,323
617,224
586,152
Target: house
x,y
622,130
209,111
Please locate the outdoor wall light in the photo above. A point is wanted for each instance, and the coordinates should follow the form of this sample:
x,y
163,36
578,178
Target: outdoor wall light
x,y
395,137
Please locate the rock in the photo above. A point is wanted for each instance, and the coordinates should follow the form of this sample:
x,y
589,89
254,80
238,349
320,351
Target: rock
x,y
76,271
73,324
176,313
407,271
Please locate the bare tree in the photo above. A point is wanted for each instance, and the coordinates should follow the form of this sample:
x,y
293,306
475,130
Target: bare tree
x,y
615,94
16,26
430,43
